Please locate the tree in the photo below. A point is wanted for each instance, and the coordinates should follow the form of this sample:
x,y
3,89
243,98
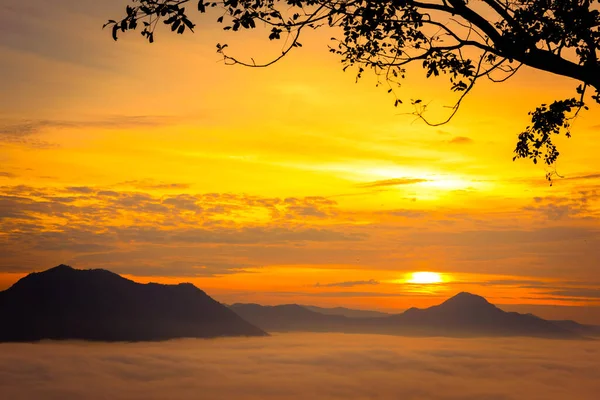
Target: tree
x,y
465,40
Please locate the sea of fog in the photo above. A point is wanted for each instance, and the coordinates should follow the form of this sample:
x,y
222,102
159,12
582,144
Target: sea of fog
x,y
304,367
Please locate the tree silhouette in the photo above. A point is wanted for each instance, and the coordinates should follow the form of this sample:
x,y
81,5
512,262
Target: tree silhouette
x,y
465,40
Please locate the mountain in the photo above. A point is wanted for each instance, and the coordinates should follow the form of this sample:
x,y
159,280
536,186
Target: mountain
x,y
467,314
464,315
66,303
588,330
348,312
290,317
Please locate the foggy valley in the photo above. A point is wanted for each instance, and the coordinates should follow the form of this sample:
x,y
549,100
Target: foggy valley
x,y
304,366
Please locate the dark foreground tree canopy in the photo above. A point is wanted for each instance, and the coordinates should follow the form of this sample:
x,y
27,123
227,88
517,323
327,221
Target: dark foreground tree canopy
x,y
465,40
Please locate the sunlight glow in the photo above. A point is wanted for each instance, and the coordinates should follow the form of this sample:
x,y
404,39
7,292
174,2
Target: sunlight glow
x,y
423,277
447,184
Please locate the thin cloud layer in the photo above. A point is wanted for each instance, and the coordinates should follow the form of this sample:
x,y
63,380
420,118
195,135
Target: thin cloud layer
x,y
391,182
347,284
460,140
304,366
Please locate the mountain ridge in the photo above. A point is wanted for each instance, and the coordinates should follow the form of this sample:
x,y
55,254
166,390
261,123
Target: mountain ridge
x,y
462,315
347,312
97,304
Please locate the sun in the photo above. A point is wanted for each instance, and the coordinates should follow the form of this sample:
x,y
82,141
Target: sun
x,y
423,277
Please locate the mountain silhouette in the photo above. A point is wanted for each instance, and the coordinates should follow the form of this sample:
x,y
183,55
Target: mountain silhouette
x,y
348,312
464,315
583,329
467,314
290,317
66,303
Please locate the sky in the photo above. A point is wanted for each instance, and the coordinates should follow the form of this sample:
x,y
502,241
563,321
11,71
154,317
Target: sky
x,y
290,184
316,366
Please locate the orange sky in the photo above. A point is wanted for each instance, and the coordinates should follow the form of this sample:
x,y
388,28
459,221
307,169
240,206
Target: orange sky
x,y
286,184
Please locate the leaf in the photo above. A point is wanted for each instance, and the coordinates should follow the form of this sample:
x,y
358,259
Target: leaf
x,y
110,21
189,24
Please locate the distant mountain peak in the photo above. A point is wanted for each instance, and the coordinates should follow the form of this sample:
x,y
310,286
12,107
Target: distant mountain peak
x,y
67,269
468,295
61,267
65,273
467,299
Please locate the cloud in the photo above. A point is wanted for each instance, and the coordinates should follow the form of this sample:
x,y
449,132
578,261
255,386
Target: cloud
x,y
183,202
24,131
488,237
562,207
511,282
10,128
460,140
577,292
302,366
555,299
348,284
179,268
346,294
150,185
582,177
407,213
109,203
7,174
391,182
505,282
555,212
190,234
80,189
242,235
109,193
150,234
